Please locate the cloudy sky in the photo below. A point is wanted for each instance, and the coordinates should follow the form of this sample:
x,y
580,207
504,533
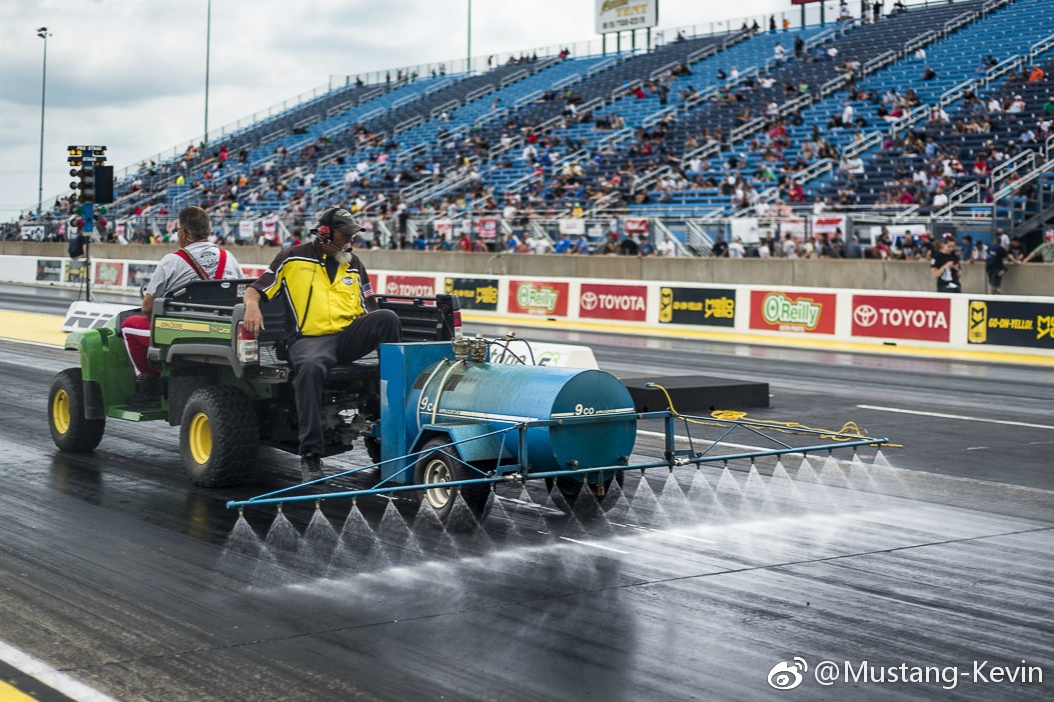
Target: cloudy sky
x,y
130,74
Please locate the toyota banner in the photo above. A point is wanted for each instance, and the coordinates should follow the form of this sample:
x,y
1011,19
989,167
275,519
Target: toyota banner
x,y
624,302
908,318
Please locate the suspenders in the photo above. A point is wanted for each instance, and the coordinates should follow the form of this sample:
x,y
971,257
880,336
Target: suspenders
x,y
193,263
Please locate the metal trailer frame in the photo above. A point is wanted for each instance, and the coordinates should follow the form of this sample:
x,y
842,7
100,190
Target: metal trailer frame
x,y
520,471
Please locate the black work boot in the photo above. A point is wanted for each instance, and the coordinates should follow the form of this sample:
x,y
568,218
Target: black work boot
x,y
148,391
310,468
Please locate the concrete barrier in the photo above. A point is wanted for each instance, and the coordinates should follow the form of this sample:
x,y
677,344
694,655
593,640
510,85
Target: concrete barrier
x,y
1030,279
1004,328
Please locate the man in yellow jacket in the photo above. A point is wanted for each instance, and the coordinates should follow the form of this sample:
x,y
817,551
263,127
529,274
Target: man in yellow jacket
x,y
331,317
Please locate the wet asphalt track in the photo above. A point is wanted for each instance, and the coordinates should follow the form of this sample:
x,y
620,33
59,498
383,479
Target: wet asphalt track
x,y
113,569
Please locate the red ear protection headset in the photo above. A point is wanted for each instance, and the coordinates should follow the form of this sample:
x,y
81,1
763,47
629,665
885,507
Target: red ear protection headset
x,y
324,223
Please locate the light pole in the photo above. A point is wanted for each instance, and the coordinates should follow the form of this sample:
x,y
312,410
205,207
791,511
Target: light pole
x,y
43,33
468,62
208,45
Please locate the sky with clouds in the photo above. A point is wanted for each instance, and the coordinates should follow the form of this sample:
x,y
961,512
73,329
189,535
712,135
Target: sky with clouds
x,y
130,74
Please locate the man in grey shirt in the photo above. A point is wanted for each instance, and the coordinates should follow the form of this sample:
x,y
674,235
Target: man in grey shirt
x,y
196,259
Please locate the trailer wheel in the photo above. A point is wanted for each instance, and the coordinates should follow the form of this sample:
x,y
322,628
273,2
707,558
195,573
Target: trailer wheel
x,y
373,448
442,465
70,430
219,436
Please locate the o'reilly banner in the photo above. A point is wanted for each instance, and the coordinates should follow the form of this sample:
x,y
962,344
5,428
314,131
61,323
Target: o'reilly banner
x,y
1009,323
622,15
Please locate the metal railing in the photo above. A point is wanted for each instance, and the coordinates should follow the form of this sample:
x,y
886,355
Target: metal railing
x,y
1001,69
625,88
954,93
920,40
1026,160
959,21
1040,47
656,117
1012,188
408,124
863,143
659,229
697,239
794,105
815,170
529,97
834,85
515,76
480,92
958,197
700,54
877,62
616,137
445,107
663,69
909,120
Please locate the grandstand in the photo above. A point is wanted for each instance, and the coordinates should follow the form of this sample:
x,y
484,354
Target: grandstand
x,y
911,119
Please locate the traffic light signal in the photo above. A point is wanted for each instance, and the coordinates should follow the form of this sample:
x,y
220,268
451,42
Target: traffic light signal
x,y
96,178
86,173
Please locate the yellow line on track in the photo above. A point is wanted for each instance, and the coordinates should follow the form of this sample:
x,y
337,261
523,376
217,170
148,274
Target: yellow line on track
x,y
11,694
27,326
810,343
45,329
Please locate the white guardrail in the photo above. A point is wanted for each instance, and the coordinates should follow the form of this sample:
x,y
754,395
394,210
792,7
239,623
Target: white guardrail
x,y
1008,324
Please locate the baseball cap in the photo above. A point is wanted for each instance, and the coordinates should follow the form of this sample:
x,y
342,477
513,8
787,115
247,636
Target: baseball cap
x,y
341,220
1049,235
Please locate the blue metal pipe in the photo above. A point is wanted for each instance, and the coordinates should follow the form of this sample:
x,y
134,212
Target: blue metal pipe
x,y
518,472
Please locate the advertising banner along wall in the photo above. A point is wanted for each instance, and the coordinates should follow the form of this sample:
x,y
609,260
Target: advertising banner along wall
x,y
804,313
474,293
912,318
624,302
410,286
698,306
109,273
538,298
1011,323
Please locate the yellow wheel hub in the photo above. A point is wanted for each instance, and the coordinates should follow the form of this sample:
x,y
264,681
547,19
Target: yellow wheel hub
x,y
60,411
200,438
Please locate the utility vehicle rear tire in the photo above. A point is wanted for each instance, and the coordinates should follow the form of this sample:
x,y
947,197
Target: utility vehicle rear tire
x,y
443,465
69,429
373,448
219,436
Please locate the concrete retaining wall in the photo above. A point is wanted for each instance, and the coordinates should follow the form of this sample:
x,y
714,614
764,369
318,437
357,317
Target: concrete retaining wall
x,y
1031,279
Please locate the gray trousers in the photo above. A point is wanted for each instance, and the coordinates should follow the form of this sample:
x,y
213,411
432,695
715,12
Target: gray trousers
x,y
313,356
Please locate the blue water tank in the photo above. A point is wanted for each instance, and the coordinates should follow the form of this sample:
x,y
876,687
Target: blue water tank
x,y
504,396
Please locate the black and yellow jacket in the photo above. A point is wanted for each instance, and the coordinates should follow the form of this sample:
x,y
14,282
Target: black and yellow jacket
x,y
322,297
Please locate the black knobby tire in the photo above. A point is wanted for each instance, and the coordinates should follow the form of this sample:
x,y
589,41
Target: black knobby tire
x,y
219,436
373,448
69,429
441,465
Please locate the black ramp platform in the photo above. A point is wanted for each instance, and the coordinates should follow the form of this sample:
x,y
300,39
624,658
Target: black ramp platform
x,y
692,394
